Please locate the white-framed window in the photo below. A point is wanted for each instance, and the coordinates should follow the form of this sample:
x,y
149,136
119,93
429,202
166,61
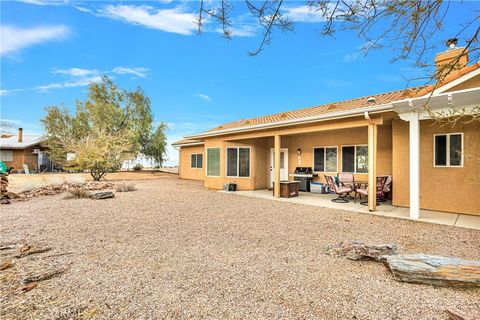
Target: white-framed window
x,y
196,161
6,155
238,162
325,159
355,158
448,150
213,162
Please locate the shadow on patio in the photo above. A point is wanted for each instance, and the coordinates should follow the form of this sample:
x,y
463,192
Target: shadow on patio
x,y
385,209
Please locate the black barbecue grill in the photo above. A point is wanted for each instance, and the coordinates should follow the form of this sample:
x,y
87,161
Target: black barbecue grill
x,y
304,176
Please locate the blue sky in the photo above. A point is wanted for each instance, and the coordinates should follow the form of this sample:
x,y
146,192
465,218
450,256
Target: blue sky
x,y
51,50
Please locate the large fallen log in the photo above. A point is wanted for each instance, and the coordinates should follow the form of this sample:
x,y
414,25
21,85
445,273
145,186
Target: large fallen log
x,y
357,250
44,276
434,270
102,195
31,249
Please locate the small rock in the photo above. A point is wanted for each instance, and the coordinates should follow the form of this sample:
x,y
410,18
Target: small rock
x,y
29,286
357,250
11,195
6,264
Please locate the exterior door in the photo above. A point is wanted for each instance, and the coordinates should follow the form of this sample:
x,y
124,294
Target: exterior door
x,y
283,165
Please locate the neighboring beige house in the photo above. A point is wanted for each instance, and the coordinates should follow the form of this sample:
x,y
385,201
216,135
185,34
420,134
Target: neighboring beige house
x,y
433,166
17,150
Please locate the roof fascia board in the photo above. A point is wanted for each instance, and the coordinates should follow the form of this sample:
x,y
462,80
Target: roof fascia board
x,y
469,97
426,97
188,144
453,83
278,124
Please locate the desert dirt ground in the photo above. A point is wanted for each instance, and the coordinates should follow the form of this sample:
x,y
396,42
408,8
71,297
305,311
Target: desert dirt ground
x,y
19,182
173,250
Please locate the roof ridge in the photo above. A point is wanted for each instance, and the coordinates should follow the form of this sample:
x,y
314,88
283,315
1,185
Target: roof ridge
x,y
328,104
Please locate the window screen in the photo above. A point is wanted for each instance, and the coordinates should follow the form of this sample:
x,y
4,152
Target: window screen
x,y
6,155
232,160
348,159
331,160
455,149
441,150
362,159
244,162
238,162
319,158
199,160
193,161
196,160
213,162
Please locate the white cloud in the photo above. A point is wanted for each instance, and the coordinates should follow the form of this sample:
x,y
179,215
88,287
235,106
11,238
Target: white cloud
x,y
83,9
244,30
204,97
174,20
76,72
79,77
46,2
361,52
82,82
304,13
352,57
14,39
139,72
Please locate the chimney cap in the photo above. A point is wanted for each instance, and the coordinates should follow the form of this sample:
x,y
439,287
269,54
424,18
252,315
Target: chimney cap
x,y
451,43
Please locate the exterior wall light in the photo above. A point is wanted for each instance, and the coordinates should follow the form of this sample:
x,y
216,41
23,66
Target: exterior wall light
x,y
299,151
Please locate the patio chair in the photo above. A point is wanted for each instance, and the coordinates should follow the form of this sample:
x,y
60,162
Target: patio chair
x,y
346,179
386,188
341,191
364,191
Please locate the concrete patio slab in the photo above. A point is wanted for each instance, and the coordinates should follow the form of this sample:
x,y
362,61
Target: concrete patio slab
x,y
467,221
385,209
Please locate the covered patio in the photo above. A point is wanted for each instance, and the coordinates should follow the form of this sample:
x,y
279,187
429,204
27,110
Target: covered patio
x,y
385,209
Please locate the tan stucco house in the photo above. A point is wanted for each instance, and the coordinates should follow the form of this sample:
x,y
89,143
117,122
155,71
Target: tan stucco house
x,y
433,166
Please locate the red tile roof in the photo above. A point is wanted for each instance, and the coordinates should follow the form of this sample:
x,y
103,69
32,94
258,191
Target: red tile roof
x,y
187,142
379,99
454,75
362,102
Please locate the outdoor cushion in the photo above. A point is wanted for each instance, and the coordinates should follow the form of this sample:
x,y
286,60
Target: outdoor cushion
x,y
363,191
344,189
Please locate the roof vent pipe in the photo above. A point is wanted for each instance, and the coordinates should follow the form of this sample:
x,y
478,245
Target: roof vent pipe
x,y
451,43
371,100
20,134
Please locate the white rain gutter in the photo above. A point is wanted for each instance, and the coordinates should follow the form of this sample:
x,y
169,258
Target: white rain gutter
x,y
323,117
188,144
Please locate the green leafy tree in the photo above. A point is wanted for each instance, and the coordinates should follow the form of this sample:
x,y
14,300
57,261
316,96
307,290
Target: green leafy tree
x,y
156,145
112,125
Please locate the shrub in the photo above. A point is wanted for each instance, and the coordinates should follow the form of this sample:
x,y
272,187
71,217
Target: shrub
x,y
126,187
138,167
31,185
77,193
76,179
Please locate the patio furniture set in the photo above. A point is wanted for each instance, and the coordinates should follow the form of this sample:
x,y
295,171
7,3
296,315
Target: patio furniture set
x,y
348,185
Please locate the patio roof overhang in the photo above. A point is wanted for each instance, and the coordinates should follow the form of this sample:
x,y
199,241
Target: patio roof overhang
x,y
324,117
438,104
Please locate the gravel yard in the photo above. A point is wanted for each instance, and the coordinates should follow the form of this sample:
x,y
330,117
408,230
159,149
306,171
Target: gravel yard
x,y
173,250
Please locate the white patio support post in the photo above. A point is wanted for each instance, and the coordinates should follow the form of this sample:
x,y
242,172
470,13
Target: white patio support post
x,y
276,184
414,126
372,167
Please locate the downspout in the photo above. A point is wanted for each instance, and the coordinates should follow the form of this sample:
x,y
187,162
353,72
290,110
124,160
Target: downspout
x,y
367,117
